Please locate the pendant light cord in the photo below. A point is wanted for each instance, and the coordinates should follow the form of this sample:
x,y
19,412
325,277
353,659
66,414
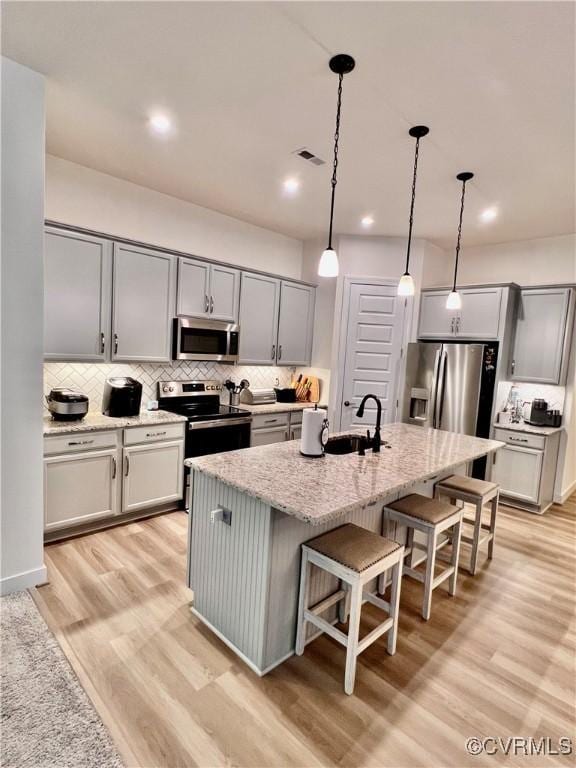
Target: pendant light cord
x,y
411,221
459,235
335,164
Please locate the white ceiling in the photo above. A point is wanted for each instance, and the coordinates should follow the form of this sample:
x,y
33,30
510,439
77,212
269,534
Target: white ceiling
x,y
248,83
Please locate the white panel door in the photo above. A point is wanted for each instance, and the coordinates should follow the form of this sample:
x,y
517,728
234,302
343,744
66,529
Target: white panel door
x,y
77,287
373,342
80,487
224,293
518,472
259,302
193,297
539,336
479,317
153,474
436,322
143,304
295,324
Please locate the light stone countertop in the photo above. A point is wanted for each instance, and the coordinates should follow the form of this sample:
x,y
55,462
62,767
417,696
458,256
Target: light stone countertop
x,y
95,421
276,407
319,490
531,429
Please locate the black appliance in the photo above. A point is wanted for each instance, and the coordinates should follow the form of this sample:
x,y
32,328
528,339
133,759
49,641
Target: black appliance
x,y
67,404
195,339
122,397
541,416
212,427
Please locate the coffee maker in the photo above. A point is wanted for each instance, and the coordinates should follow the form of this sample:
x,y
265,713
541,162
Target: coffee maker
x,y
541,416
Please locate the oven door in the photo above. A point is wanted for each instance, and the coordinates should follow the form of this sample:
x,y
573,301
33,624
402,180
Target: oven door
x,y
195,339
206,437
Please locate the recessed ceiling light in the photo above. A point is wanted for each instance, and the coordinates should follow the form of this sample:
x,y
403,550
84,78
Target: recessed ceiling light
x,y
367,221
291,186
489,214
160,124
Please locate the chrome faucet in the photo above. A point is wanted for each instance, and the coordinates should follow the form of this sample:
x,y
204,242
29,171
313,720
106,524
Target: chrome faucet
x,y
375,442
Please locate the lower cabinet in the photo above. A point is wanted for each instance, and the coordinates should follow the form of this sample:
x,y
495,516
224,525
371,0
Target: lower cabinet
x,y
269,435
525,468
152,475
80,487
275,427
94,475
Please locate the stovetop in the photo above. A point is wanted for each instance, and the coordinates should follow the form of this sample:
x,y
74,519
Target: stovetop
x,y
204,411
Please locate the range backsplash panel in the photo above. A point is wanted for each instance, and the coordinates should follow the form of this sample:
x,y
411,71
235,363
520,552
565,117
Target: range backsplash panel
x,y
89,378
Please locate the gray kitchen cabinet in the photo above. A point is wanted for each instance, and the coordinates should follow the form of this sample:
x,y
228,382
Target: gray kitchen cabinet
x,y
295,431
525,468
193,288
542,335
152,474
269,435
77,288
295,324
143,304
259,304
207,290
479,317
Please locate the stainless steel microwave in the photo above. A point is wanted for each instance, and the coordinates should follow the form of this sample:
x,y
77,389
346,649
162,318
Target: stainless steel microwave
x,y
196,339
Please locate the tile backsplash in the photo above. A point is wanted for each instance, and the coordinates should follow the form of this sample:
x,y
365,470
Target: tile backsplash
x,y
554,395
90,377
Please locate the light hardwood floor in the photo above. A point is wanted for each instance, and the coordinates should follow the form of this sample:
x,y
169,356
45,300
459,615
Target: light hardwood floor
x,y
496,660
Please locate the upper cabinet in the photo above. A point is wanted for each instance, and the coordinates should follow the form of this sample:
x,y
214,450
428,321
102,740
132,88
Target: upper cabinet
x,y
77,284
295,324
207,290
143,302
259,305
542,336
479,317
276,321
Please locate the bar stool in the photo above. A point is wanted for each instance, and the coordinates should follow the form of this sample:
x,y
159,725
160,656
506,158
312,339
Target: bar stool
x,y
477,492
355,556
431,517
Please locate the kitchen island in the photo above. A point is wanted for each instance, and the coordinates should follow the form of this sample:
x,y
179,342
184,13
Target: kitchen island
x,y
252,509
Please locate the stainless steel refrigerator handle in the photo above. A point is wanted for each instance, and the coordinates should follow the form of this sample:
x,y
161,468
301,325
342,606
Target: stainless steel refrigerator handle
x,y
439,404
435,386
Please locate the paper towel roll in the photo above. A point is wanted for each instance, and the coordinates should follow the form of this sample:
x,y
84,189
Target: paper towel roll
x,y
314,431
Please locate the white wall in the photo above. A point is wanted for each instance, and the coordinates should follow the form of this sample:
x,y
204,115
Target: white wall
x,y
22,292
86,198
545,261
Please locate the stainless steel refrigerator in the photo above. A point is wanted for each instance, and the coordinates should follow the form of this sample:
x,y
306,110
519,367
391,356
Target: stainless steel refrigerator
x,y
451,386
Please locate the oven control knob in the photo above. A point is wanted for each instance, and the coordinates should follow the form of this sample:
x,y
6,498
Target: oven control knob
x,y
170,389
164,388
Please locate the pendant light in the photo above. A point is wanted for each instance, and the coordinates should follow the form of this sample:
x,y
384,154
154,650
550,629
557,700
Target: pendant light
x,y
341,64
454,301
406,284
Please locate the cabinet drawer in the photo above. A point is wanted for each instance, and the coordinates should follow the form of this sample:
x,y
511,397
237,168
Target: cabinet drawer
x,y
267,420
152,434
523,439
295,418
80,441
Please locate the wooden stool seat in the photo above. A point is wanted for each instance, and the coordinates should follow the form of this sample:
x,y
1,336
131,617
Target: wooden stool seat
x,y
477,492
353,547
431,517
355,556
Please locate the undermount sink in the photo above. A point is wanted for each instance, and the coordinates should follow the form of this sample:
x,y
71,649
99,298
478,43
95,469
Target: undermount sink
x,y
343,444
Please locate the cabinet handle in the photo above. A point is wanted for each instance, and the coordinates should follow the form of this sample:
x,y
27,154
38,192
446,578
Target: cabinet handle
x,y
206,303
286,435
280,352
518,439
113,467
80,442
512,366
270,421
273,351
155,434
126,465
115,343
211,304
102,343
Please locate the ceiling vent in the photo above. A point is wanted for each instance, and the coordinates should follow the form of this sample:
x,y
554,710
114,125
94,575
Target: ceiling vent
x,y
310,156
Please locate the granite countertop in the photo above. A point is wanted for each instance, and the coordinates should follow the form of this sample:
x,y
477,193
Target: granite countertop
x,y
319,490
276,407
95,421
532,429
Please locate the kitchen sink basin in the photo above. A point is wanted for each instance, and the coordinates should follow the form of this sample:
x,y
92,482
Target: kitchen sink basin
x,y
343,444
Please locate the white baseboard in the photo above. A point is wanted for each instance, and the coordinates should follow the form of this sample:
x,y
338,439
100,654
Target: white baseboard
x,y
565,495
24,580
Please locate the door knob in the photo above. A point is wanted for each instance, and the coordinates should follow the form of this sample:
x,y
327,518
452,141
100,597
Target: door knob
x,y
346,403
